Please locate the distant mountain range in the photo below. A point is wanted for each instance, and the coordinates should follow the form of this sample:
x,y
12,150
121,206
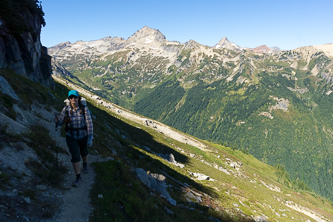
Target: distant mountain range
x,y
150,37
273,104
226,44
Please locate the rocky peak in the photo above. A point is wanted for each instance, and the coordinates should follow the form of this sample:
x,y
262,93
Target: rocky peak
x,y
326,48
58,47
110,43
307,51
261,49
62,45
191,44
146,35
96,47
224,40
225,43
114,39
275,49
107,38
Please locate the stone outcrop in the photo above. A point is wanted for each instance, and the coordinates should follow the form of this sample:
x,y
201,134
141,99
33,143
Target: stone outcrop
x,y
155,182
200,176
171,159
5,88
23,52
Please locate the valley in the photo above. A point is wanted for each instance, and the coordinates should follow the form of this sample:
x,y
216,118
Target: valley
x,y
273,105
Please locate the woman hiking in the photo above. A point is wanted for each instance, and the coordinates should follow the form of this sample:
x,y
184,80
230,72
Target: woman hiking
x,y
79,132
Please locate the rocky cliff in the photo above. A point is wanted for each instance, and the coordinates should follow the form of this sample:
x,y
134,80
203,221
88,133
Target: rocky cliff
x,y
20,46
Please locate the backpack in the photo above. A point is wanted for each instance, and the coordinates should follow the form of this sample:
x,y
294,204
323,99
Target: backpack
x,y
67,119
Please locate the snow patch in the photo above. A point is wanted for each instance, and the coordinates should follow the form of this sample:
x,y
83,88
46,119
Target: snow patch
x,y
149,39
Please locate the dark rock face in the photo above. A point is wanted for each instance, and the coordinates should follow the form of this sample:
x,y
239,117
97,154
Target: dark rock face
x,y
24,53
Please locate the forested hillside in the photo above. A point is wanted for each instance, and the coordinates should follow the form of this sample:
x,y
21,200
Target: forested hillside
x,y
299,138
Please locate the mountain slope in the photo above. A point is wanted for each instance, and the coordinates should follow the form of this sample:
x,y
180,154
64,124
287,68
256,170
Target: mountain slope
x,y
204,180
234,168
274,106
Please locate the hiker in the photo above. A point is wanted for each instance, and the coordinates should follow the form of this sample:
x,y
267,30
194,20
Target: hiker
x,y
79,132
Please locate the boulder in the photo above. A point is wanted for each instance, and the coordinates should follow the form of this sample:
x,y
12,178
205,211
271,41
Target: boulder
x,y
143,176
20,117
11,125
260,219
7,89
171,158
155,182
200,176
193,197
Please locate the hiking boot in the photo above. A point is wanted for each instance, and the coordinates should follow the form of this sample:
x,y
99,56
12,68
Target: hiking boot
x,y
85,168
76,183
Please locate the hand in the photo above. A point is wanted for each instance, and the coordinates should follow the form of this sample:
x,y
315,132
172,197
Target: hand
x,y
89,143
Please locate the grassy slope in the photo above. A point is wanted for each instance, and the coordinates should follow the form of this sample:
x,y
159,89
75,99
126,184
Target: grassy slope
x,y
125,198
243,187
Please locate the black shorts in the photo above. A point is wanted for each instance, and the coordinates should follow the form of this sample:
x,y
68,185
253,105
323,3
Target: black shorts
x,y
77,148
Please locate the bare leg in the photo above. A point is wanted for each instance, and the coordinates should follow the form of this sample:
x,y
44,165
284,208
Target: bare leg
x,y
85,164
85,159
77,167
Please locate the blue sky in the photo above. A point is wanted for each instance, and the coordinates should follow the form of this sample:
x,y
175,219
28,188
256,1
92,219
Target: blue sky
x,y
287,24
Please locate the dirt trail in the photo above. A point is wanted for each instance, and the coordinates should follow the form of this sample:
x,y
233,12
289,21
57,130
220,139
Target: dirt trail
x,y
76,201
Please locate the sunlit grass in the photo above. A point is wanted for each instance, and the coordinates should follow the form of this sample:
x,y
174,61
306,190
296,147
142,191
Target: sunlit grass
x,y
252,198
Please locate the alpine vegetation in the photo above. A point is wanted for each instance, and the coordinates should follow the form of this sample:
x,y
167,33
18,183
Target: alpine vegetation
x,y
272,104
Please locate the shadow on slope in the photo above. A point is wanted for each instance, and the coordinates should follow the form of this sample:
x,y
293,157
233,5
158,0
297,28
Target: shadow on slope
x,y
118,194
127,143
139,147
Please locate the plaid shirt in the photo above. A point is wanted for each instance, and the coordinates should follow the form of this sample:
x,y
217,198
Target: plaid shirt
x,y
77,121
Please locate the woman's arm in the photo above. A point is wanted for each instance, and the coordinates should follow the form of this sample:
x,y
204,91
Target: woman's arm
x,y
89,123
61,117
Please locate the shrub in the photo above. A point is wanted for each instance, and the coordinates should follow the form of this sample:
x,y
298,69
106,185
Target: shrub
x,y
47,167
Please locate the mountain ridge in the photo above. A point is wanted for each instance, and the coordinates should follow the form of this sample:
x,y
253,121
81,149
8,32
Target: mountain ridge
x,y
147,35
216,94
